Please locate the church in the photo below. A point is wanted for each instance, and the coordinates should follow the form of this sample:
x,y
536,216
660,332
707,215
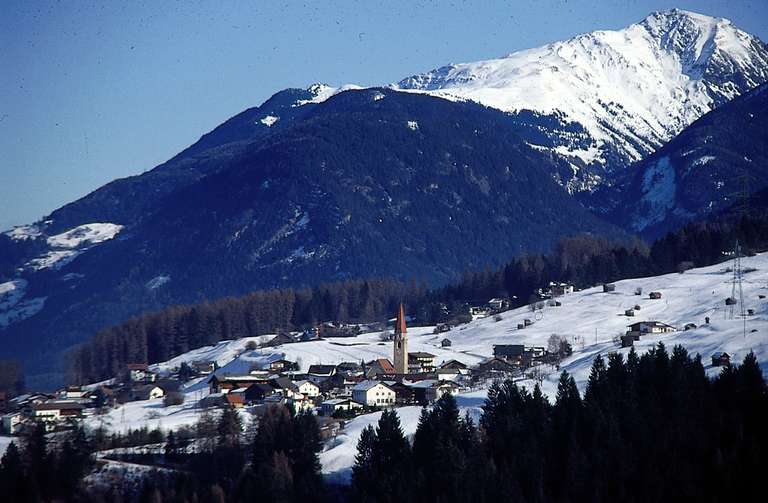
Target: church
x,y
400,359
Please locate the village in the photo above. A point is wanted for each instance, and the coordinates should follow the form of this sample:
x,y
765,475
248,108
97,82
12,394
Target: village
x,y
335,392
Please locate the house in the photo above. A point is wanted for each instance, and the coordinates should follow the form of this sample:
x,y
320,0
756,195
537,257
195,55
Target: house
x,y
147,392
721,359
54,410
560,289
373,393
320,373
279,339
447,374
224,384
379,367
510,352
654,295
421,361
259,391
445,343
307,388
498,304
478,312
330,407
689,326
455,365
234,400
309,335
649,327
285,386
349,369
494,367
204,367
609,287
404,393
73,393
139,372
12,423
431,390
282,365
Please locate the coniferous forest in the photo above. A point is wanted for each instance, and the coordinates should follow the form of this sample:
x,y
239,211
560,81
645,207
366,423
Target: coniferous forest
x,y
651,428
581,260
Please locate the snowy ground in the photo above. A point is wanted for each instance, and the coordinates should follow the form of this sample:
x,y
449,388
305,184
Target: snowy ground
x,y
589,319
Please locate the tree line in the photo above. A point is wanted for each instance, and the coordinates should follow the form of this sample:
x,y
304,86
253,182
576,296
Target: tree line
x,y
650,428
219,459
581,260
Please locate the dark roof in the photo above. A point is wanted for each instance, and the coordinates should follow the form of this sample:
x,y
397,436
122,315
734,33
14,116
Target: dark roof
x,y
421,354
136,366
284,383
321,369
58,406
453,364
266,389
508,349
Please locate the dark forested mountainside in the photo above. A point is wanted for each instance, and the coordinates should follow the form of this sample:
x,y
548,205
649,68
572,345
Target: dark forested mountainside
x,y
370,183
709,166
582,260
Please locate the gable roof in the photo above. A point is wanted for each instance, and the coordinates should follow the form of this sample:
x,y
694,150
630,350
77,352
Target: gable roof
x,y
367,385
321,369
453,364
385,365
421,354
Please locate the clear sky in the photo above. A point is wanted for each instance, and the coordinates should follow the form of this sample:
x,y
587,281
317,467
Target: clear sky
x,y
90,92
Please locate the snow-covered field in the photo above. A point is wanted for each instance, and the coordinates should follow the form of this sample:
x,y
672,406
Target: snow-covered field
x,y
589,319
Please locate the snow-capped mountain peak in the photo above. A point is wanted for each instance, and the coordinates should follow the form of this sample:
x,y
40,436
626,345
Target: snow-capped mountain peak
x,y
631,89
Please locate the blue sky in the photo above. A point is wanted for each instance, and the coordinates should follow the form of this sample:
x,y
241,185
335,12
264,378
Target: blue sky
x,y
90,92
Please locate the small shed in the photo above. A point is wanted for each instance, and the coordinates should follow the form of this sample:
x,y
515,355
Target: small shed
x,y
627,341
689,326
637,307
654,295
639,290
446,343
520,326
730,301
629,312
609,287
527,322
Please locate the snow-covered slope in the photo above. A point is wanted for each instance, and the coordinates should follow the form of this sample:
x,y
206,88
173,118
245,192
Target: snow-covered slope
x,y
589,319
632,89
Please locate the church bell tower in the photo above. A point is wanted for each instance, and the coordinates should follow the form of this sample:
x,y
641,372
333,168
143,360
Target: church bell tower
x,y
401,343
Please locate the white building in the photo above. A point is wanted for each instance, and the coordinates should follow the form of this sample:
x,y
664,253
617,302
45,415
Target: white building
x,y
308,388
11,423
373,393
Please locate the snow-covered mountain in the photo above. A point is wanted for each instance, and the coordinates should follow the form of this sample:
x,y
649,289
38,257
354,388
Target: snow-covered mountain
x,y
631,89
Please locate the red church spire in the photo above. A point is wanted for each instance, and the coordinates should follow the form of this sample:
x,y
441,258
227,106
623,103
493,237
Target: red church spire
x,y
400,323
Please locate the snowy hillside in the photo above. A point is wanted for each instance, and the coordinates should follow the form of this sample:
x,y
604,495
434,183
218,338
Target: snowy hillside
x,y
632,89
589,319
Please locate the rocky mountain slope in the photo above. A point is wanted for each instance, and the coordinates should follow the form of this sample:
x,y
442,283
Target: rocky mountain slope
x,y
631,89
712,165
